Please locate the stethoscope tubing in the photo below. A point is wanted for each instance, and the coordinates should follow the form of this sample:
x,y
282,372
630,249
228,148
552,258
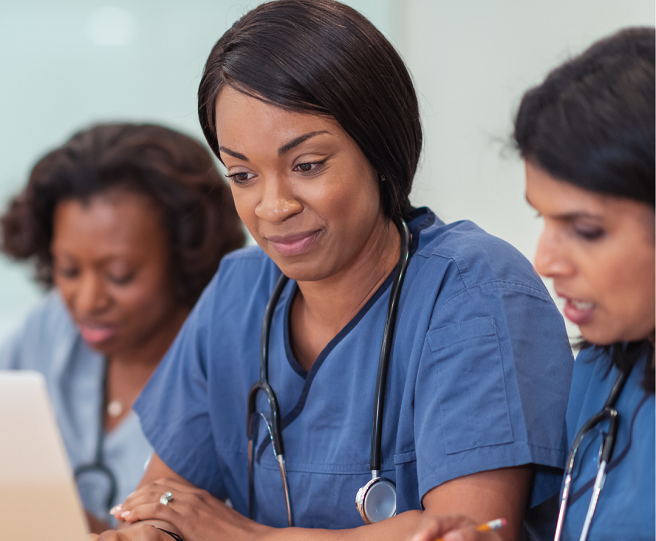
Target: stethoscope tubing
x,y
98,464
608,412
263,384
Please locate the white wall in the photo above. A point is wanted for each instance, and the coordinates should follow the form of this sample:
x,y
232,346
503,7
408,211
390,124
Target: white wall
x,y
63,65
472,60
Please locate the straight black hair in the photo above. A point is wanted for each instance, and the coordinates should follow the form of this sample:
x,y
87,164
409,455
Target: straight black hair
x,y
325,58
592,123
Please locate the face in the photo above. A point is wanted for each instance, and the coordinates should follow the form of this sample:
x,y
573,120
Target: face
x,y
599,250
111,265
301,185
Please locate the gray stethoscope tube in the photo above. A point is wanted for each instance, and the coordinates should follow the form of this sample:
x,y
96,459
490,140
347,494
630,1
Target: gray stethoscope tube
x,y
605,455
377,499
98,465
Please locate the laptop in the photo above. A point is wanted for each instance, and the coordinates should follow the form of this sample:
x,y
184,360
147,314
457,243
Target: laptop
x,y
38,497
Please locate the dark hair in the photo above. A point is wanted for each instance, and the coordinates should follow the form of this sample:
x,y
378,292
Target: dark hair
x,y
174,170
322,57
592,123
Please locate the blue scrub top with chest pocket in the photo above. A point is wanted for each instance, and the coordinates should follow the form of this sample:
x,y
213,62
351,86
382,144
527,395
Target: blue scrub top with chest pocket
x,y
478,380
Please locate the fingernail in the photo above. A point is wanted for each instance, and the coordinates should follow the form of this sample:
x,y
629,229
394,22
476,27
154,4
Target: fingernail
x,y
115,509
453,536
125,514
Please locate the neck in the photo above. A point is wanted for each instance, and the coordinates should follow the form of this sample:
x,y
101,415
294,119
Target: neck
x,y
337,299
323,308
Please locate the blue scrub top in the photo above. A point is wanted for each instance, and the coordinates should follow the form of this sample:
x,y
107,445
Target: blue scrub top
x,y
625,509
478,380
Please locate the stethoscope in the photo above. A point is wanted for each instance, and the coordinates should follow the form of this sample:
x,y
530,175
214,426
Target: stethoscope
x,y
608,412
98,465
376,500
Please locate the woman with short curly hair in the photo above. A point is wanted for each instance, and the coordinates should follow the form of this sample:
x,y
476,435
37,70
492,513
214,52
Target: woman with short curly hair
x,y
128,223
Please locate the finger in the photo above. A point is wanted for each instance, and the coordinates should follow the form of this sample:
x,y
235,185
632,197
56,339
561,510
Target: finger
x,y
148,511
433,527
152,493
471,534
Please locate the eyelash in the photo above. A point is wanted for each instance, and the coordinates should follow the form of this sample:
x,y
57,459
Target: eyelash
x,y
589,234
315,170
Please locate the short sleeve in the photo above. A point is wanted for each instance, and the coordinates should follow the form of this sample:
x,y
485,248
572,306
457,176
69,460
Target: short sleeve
x,y
173,408
492,386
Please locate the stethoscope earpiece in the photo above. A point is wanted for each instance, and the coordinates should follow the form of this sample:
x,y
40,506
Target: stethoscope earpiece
x,y
376,500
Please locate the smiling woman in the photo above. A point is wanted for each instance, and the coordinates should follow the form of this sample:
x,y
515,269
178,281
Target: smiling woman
x,y
381,353
128,223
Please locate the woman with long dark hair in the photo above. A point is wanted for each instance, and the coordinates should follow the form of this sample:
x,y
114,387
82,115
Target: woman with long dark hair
x,y
366,361
587,137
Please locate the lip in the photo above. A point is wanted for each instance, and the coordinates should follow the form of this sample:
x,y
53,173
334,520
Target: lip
x,y
577,314
96,333
295,244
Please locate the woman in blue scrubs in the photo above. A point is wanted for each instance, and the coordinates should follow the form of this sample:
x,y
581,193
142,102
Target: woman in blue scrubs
x,y
315,118
587,137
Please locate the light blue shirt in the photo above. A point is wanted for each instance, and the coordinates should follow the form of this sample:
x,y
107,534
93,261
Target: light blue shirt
x,y
625,510
50,343
478,380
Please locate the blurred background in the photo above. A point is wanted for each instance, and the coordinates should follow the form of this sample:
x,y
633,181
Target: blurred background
x,y
66,64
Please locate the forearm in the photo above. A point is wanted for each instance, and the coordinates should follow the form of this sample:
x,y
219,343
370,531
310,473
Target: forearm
x,y
398,527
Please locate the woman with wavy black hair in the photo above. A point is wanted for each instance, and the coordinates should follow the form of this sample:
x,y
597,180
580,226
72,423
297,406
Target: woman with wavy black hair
x,y
587,137
315,118
128,223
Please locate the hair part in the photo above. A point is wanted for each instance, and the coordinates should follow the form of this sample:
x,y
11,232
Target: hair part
x,y
174,171
322,57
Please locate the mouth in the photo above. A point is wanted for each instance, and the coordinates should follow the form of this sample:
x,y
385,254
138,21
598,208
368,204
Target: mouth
x,y
294,245
577,311
94,333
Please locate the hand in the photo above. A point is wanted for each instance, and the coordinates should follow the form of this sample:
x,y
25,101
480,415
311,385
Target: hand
x,y
138,532
195,514
451,528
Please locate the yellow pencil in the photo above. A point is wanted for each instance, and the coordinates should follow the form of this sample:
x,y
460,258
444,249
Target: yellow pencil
x,y
492,525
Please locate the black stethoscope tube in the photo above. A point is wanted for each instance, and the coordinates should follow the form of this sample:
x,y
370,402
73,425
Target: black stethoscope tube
x,y
262,385
386,349
98,464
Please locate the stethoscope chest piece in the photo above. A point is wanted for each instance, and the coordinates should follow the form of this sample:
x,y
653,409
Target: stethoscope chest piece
x,y
376,500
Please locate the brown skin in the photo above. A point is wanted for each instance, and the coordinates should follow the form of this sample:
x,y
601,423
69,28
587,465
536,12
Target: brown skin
x,y
111,267
324,189
613,270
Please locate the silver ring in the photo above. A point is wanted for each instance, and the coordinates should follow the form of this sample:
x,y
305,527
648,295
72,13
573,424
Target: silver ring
x,y
165,498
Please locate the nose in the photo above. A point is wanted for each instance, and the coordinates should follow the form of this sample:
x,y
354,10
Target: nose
x,y
551,258
89,295
277,200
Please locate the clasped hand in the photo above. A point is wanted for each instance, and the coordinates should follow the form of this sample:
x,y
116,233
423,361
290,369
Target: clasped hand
x,y
192,513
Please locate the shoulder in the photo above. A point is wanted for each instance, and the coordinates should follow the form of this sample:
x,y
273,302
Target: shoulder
x,y
245,278
47,330
48,320
475,258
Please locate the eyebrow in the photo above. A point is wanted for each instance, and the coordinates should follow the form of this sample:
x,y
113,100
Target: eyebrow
x,y
233,154
282,150
569,216
297,141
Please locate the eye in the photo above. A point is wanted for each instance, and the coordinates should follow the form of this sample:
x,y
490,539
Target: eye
x,y
309,167
67,272
589,232
120,279
240,178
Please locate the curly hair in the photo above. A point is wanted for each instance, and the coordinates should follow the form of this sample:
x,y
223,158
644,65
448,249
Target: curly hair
x,y
174,170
